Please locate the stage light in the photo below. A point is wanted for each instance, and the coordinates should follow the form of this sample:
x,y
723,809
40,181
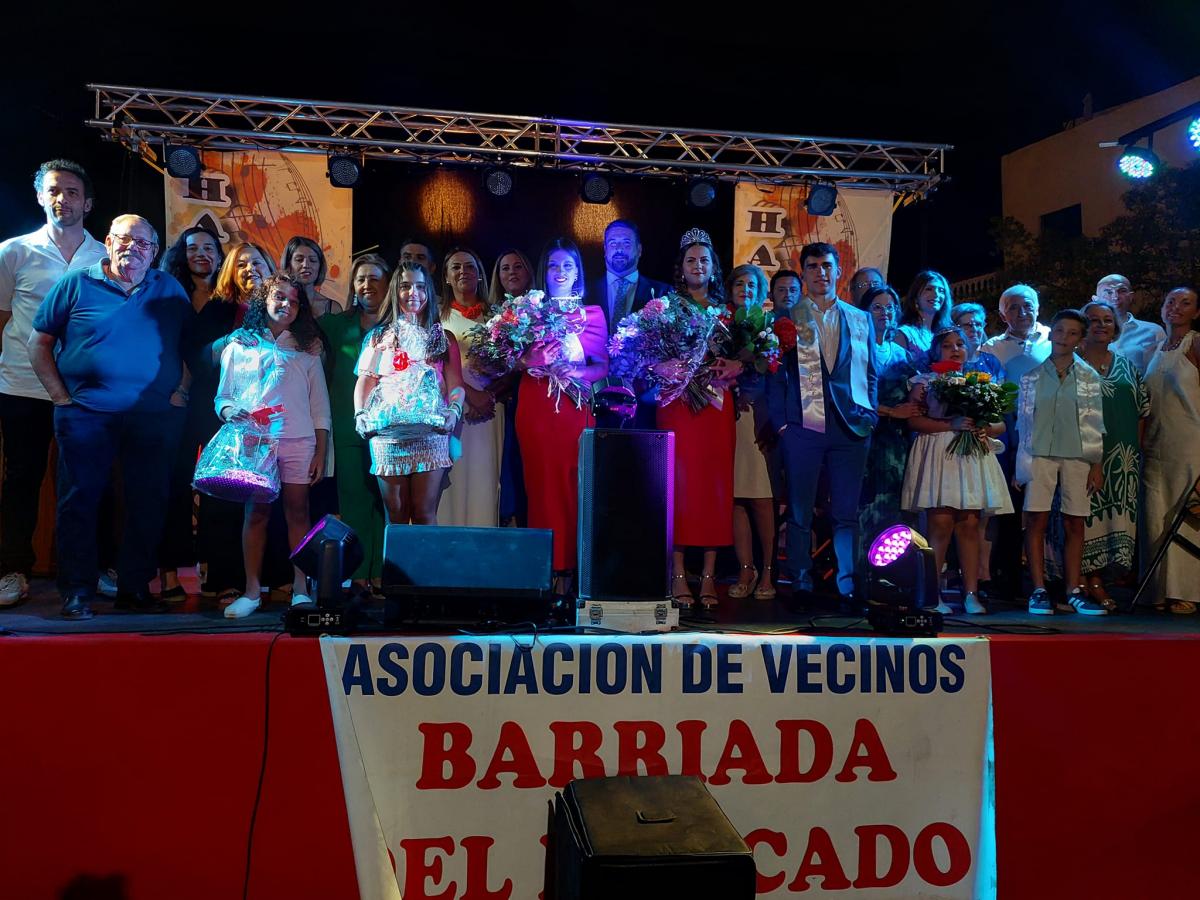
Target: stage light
x,y
701,192
596,188
1193,133
344,171
822,199
329,551
902,583
1138,162
182,161
499,182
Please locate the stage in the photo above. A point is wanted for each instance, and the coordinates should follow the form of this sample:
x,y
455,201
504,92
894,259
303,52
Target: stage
x,y
134,746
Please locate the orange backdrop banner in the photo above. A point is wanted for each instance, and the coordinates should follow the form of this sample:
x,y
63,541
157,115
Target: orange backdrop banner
x,y
267,197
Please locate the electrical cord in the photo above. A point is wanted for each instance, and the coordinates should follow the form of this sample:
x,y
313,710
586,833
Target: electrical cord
x,y
262,770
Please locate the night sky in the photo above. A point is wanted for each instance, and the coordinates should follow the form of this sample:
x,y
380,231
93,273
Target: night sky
x,y
987,77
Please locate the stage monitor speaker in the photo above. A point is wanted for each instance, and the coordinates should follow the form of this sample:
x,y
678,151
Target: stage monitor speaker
x,y
626,514
644,838
443,574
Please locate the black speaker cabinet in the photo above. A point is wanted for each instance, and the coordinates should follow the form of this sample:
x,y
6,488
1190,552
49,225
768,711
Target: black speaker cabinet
x,y
626,514
435,574
645,838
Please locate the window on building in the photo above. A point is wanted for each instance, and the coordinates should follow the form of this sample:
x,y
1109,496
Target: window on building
x,y
1066,222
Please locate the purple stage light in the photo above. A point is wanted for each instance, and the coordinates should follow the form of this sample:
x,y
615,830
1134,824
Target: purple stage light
x,y
889,546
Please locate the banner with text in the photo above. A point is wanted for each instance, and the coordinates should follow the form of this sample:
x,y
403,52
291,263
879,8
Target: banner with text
x,y
266,197
771,225
845,763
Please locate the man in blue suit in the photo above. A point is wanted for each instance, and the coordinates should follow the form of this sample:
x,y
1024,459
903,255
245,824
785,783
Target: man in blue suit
x,y
623,290
820,406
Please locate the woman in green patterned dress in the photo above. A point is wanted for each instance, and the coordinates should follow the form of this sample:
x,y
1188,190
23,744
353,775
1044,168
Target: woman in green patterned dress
x,y
879,506
1110,533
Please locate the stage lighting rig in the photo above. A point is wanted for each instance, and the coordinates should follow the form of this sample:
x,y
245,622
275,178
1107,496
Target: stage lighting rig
x,y
344,171
822,200
1138,162
701,193
596,188
497,181
902,584
328,552
182,161
1193,133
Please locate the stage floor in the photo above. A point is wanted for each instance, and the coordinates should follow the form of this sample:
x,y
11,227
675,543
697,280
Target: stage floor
x,y
40,615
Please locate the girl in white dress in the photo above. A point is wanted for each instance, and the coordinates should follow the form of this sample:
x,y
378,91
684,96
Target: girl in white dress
x,y
953,489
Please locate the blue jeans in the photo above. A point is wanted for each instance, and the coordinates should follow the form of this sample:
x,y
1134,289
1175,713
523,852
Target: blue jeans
x,y
88,444
845,455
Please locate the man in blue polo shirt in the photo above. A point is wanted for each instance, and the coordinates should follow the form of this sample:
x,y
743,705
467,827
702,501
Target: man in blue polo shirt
x,y
118,327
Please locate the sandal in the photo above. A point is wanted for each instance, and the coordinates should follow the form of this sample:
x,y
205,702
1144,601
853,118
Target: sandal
x,y
685,600
1096,591
709,598
742,588
766,586
1179,607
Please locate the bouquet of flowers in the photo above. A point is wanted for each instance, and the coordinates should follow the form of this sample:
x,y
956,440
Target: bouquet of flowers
x,y
974,395
518,324
754,341
667,345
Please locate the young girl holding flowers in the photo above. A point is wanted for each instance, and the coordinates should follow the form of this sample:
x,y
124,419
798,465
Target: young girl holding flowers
x,y
273,362
952,470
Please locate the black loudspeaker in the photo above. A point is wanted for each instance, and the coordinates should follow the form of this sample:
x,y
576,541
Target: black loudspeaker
x,y
436,574
645,838
626,514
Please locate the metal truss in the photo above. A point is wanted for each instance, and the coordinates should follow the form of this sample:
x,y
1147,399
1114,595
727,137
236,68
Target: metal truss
x,y
141,118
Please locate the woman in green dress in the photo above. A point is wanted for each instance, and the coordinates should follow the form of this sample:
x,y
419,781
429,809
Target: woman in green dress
x,y
884,476
358,494
1110,533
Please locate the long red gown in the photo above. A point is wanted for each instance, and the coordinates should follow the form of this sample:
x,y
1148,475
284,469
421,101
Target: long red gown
x,y
704,445
549,441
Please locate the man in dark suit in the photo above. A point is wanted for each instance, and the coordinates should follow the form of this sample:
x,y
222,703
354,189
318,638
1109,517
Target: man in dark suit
x,y
623,290
820,406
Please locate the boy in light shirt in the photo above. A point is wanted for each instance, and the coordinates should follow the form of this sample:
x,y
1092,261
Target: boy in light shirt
x,y
1061,428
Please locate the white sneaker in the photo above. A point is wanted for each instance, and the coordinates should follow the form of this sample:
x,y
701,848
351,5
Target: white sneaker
x,y
14,587
972,605
241,607
944,608
106,584
298,599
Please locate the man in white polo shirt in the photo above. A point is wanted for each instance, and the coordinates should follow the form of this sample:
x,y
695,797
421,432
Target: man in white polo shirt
x,y
29,267
1138,338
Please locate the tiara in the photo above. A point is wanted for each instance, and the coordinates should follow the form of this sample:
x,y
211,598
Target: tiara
x,y
695,236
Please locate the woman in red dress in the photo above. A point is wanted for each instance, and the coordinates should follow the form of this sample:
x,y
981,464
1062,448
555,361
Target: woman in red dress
x,y
704,441
549,423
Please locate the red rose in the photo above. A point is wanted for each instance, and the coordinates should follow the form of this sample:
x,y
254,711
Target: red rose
x,y
785,330
943,366
400,361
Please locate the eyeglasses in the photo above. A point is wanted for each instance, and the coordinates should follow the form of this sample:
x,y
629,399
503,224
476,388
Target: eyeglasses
x,y
124,240
860,285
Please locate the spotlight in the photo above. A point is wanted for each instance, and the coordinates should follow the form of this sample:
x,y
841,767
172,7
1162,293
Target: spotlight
x,y
1193,133
344,171
328,552
822,198
1138,162
182,161
701,192
499,182
596,188
902,582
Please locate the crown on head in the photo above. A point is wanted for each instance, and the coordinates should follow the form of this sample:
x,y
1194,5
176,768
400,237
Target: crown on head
x,y
695,236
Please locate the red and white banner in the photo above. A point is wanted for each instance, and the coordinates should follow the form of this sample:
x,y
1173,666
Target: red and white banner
x,y
771,224
847,764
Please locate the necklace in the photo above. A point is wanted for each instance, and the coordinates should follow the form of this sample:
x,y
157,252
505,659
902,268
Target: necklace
x,y
1102,368
1062,373
1174,343
474,311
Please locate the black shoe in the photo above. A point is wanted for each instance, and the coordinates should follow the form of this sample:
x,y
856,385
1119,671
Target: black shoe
x,y
139,602
77,608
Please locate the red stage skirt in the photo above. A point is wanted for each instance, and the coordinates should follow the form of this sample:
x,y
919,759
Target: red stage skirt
x,y
549,443
704,444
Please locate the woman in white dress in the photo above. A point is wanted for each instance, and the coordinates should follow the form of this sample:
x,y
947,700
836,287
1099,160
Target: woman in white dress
x,y
473,497
953,489
1172,452
752,495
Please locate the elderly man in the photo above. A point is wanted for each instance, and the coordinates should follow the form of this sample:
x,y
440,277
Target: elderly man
x,y
1025,343
1138,338
118,327
862,281
29,267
